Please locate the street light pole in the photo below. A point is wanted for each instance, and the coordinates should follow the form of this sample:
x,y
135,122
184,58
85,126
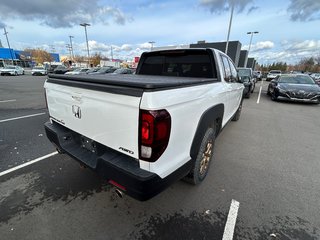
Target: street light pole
x,y
85,29
230,23
255,32
72,55
6,33
151,42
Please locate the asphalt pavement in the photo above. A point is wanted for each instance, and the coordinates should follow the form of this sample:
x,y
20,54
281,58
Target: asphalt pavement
x,y
268,162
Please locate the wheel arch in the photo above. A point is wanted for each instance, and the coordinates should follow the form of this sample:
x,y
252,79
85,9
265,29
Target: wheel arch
x,y
212,117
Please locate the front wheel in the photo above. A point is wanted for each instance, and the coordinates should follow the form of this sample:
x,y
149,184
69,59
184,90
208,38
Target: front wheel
x,y
274,97
254,85
202,162
268,92
248,95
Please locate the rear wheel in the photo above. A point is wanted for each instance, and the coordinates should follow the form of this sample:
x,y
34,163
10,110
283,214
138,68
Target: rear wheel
x,y
202,162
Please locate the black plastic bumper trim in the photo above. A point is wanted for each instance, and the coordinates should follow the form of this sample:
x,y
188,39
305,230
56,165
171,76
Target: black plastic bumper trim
x,y
112,165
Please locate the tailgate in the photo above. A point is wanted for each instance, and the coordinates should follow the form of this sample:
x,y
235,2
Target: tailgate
x,y
108,118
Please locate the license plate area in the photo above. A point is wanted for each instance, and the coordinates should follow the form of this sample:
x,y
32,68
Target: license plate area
x,y
88,144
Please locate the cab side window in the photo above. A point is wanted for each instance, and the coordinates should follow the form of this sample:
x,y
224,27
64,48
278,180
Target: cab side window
x,y
227,70
234,73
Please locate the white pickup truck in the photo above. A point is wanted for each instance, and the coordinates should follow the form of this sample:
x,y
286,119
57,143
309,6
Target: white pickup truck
x,y
145,131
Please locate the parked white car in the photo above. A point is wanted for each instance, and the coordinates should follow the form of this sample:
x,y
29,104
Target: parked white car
x,y
273,74
12,70
39,71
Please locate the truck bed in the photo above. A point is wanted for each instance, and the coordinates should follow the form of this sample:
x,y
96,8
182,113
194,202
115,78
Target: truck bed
x,y
133,85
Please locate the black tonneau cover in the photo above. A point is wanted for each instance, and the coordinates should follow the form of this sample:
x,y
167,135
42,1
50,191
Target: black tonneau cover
x,y
133,84
135,81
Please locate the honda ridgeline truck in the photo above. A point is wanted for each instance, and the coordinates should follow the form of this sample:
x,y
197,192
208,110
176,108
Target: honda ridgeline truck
x,y
143,132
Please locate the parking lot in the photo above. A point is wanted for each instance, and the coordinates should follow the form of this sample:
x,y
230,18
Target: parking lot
x,y
268,162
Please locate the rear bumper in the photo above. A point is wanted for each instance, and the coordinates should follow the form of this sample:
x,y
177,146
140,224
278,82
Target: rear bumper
x,y
112,165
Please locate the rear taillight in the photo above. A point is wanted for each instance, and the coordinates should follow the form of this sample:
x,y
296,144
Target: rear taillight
x,y
154,133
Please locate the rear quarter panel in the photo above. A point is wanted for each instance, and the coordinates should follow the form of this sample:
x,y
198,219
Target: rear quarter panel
x,y
186,106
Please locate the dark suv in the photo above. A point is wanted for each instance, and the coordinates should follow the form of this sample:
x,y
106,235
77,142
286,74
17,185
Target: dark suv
x,y
249,82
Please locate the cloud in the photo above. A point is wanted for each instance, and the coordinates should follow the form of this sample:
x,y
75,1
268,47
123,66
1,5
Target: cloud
x,y
304,10
62,13
2,25
220,6
253,8
289,52
302,46
259,46
144,46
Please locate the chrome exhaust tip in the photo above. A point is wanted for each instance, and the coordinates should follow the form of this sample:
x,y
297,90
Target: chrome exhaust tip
x,y
119,193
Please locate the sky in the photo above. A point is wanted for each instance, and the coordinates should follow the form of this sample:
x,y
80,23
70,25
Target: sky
x,y
288,29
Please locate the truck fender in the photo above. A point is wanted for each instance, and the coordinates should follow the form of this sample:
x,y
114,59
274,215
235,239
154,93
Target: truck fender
x,y
212,117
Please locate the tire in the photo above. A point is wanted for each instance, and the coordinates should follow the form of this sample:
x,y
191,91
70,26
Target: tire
x,y
274,97
15,73
236,116
268,92
204,157
248,95
253,88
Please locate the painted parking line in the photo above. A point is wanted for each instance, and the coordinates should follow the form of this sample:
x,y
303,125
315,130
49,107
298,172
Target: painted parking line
x,y
231,220
258,100
27,116
260,90
5,101
27,164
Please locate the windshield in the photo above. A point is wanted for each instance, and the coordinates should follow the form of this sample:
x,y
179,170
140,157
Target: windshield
x,y
184,63
244,72
275,72
303,79
41,68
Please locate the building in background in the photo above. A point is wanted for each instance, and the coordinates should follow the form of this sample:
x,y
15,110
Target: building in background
x,y
19,57
234,48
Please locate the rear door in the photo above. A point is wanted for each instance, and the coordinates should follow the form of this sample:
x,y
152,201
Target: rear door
x,y
108,118
234,88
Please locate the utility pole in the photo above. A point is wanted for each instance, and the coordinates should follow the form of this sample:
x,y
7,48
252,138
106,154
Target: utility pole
x,y
72,55
6,33
69,49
